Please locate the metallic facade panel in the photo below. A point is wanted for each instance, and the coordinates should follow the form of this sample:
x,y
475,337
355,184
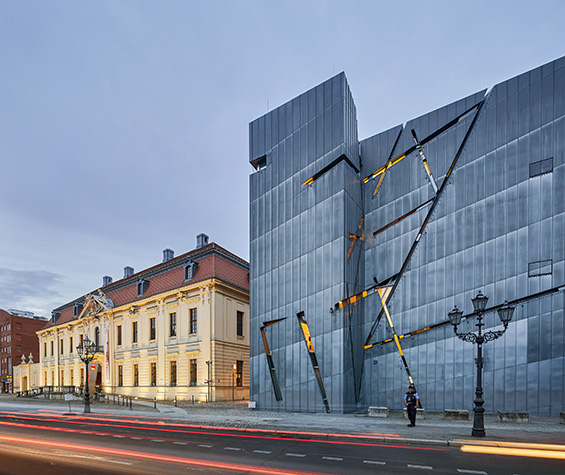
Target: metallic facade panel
x,y
491,224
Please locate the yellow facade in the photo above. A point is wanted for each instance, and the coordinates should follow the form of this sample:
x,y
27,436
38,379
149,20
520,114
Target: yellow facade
x,y
152,349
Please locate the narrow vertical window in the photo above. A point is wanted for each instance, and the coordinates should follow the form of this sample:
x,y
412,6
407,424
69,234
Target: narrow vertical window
x,y
193,372
239,323
71,349
52,348
136,375
82,376
153,371
45,355
173,324
134,332
72,379
152,328
97,337
120,375
239,373
119,335
173,373
193,320
62,383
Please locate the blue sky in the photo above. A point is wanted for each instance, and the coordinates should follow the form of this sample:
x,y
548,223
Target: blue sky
x,y
124,124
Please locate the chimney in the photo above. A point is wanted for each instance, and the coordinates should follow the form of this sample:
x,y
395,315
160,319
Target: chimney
x,y
128,272
168,254
106,280
201,240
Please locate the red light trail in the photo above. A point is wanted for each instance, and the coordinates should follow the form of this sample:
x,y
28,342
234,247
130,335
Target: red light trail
x,y
159,457
193,431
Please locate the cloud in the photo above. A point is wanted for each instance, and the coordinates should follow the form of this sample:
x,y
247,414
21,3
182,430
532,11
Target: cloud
x,y
32,290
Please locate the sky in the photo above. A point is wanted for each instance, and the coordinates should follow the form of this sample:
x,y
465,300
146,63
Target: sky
x,y
124,124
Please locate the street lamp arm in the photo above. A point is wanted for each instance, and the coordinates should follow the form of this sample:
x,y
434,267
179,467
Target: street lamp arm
x,y
468,337
493,335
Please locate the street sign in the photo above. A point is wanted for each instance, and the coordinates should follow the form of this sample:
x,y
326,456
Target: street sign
x,y
69,397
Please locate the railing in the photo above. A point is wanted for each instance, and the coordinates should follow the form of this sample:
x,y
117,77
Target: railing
x,y
29,392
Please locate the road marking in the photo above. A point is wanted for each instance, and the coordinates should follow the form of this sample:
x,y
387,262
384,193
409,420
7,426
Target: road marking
x,y
337,459
232,448
181,443
206,446
263,452
157,440
423,467
476,472
290,454
374,462
119,436
135,438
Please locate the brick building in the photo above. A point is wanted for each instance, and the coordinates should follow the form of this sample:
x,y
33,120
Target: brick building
x,y
17,339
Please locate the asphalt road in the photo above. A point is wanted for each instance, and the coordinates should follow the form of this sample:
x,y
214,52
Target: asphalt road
x,y
50,442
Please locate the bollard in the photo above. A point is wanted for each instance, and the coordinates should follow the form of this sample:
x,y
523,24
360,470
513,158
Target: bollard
x,y
130,404
193,399
176,401
154,403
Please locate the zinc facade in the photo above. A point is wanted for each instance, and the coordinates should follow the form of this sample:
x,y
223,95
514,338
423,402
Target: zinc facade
x,y
486,211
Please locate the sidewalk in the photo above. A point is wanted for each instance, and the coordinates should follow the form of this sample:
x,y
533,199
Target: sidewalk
x,y
432,430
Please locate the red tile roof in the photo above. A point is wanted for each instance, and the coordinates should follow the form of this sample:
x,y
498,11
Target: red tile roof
x,y
213,262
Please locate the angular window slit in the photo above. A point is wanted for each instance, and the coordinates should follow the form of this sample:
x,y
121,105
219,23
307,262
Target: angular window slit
x,y
313,359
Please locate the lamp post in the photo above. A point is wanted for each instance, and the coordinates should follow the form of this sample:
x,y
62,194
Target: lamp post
x,y
234,368
208,381
505,314
86,352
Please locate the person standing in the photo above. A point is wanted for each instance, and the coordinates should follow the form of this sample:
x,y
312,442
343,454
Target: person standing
x,y
411,401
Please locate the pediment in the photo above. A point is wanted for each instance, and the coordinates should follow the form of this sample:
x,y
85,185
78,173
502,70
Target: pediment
x,y
95,304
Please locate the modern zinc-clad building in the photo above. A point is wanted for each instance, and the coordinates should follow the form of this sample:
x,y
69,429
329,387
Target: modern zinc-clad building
x,y
359,249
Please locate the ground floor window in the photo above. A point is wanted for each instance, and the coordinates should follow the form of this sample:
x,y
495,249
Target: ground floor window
x,y
120,375
136,375
62,377
239,373
173,366
193,372
72,382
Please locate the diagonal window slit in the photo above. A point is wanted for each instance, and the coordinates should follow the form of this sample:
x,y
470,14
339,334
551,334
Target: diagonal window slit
x,y
313,359
327,168
270,363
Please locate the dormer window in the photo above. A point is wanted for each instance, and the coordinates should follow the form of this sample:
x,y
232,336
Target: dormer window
x,y
55,316
142,285
190,270
77,309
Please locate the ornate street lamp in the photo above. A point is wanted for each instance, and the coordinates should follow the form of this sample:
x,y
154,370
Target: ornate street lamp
x,y
234,369
86,352
505,314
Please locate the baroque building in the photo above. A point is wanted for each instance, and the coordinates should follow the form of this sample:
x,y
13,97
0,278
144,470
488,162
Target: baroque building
x,y
179,329
360,248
